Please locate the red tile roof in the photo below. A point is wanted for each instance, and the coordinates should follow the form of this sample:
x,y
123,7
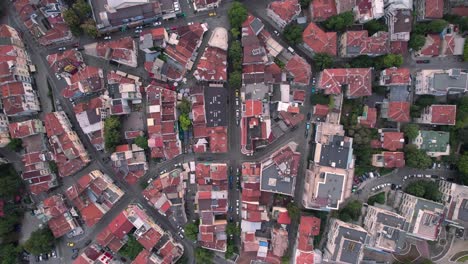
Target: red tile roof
x,y
218,139
320,110
285,9
149,239
212,65
119,49
434,9
299,96
283,218
377,44
369,119
459,10
393,140
120,226
299,69
24,129
431,46
443,114
399,111
358,81
305,257
394,159
396,76
309,225
318,40
322,9
399,47
59,226
91,214
253,108
143,258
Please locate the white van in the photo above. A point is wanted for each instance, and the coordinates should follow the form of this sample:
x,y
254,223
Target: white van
x,y
291,50
371,175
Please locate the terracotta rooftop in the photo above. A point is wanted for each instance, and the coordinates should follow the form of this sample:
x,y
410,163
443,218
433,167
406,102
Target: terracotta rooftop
x,y
253,108
395,76
212,65
359,43
369,119
357,80
399,111
431,46
286,9
320,110
320,41
299,69
443,114
394,159
322,9
393,140
434,9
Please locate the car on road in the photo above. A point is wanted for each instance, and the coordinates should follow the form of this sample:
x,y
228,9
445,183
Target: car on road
x,y
190,23
309,115
291,50
138,31
237,92
307,129
74,256
181,235
173,28
62,49
423,61
180,15
276,33
88,242
107,38
70,244
238,114
212,14
157,23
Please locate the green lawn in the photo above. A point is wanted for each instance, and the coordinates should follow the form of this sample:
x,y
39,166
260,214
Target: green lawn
x,y
463,259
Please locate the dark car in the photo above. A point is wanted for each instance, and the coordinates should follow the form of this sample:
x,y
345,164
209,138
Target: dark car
x,y
88,242
423,61
309,115
74,256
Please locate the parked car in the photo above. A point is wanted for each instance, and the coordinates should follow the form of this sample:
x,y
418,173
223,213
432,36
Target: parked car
x,y
62,49
107,38
74,256
157,23
309,115
212,14
276,33
423,61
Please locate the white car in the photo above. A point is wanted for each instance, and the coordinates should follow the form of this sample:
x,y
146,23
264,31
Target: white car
x,y
157,23
405,178
62,49
138,31
190,23
139,27
276,33
107,37
58,76
237,202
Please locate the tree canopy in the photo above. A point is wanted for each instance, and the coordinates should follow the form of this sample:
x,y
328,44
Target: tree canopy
x,y
78,19
233,229
351,211
235,80
340,22
142,142
424,189
375,26
41,241
184,106
237,14
203,255
293,211
462,166
293,33
9,254
305,3
416,41
379,62
131,249
185,122
411,131
323,61
191,231
10,181
416,158
378,198
16,144
111,133
235,55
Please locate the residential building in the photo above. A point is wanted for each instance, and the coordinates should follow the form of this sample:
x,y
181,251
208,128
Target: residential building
x,y
455,198
395,77
60,219
309,228
86,81
317,40
399,23
387,229
90,115
123,51
441,82
26,128
389,159
151,39
429,9
369,117
15,63
93,254
392,140
68,152
300,70
447,44
161,119
4,128
203,5
117,13
211,201
282,12
66,63
166,194
344,5
329,177
37,172
124,91
355,43
438,115
129,162
212,65
435,143
424,217
93,195
396,111
19,99
358,81
367,10
321,10
345,243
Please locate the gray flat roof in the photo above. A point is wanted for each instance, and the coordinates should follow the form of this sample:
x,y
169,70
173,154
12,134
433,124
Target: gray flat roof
x,y
352,244
399,93
271,181
332,188
337,153
442,81
215,106
463,212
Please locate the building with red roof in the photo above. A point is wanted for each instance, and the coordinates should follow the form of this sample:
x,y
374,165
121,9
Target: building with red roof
x,y
129,162
318,41
121,50
203,5
68,152
26,128
90,116
367,10
387,159
153,37
358,81
355,43
396,111
66,63
309,227
19,99
283,12
85,81
395,76
321,10
449,44
429,9
299,69
125,92
438,115
212,66
93,196
392,140
369,117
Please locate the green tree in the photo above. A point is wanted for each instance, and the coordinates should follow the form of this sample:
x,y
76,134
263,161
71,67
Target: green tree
x,y
351,211
426,100
10,181
279,63
9,254
111,133
191,231
72,20
203,255
235,33
416,158
411,131
82,9
230,249
375,26
293,34
463,163
323,61
305,3
362,61
53,166
391,60
184,106
41,241
416,41
89,28
131,249
286,259
7,224
424,189
233,229
237,14
185,122
235,55
340,22
16,144
378,198
436,26
293,211
142,142
465,51
235,80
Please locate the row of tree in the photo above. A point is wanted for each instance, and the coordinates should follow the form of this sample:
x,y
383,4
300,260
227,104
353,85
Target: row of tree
x,y
237,14
78,18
